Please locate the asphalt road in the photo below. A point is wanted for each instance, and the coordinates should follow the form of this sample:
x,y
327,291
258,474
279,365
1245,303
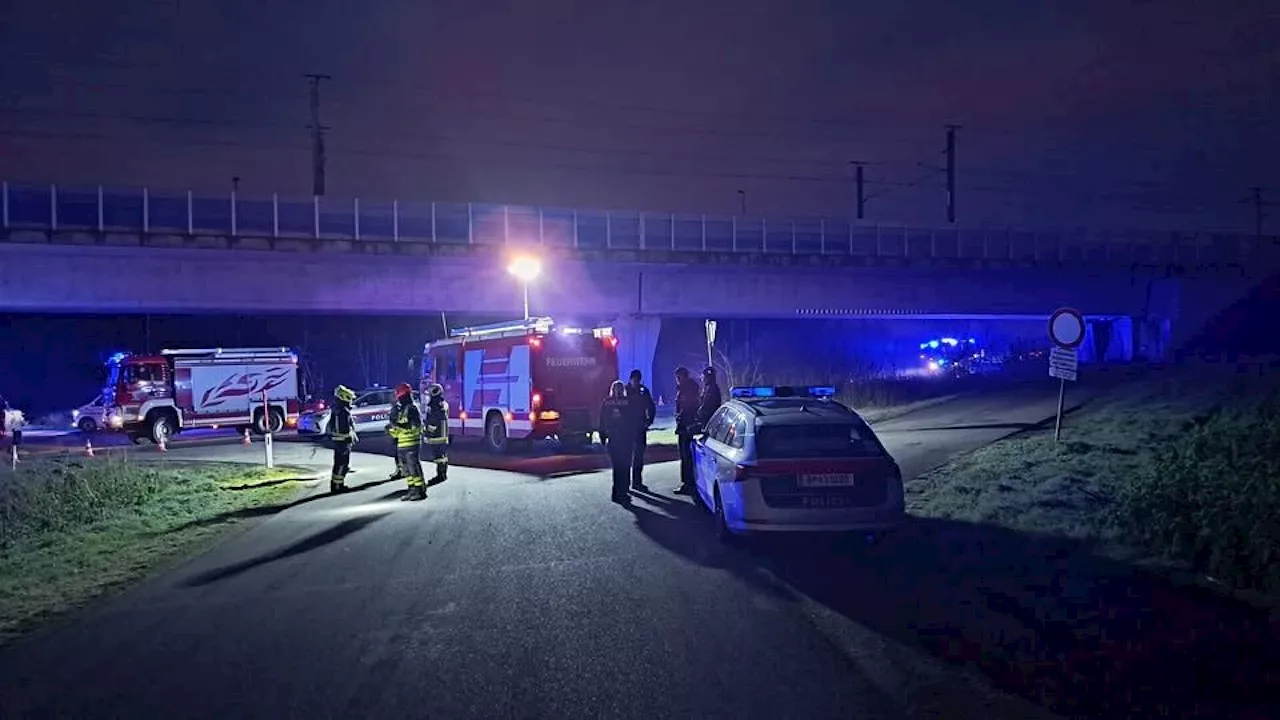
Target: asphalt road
x,y
505,595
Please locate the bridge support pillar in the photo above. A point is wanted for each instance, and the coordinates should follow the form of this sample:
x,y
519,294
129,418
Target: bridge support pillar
x,y
637,344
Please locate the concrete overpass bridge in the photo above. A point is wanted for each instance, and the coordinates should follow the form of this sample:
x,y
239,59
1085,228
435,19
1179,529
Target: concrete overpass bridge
x,y
66,250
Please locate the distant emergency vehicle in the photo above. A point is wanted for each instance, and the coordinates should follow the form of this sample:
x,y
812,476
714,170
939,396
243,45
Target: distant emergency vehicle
x,y
523,380
792,459
156,396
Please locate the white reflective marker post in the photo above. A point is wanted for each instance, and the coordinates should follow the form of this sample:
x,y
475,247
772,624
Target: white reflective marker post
x,y
1066,331
266,424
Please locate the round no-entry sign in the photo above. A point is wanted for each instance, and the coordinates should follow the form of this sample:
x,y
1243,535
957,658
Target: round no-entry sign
x,y
1066,328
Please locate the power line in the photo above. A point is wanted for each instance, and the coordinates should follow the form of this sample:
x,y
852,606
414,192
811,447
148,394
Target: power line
x,y
665,130
457,138
401,154
835,122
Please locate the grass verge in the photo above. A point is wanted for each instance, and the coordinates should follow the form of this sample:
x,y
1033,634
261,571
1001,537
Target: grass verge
x,y
1074,573
1180,469
72,530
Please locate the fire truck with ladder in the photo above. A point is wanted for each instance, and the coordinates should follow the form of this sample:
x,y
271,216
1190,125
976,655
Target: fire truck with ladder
x,y
523,380
156,396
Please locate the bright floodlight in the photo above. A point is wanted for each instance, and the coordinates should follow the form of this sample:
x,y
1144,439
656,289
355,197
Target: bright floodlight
x,y
525,268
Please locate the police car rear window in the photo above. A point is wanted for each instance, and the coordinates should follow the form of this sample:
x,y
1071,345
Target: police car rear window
x,y
815,441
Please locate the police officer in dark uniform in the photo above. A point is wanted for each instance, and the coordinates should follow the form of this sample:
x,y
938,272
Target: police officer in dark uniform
x,y
642,397
687,426
709,400
620,422
342,431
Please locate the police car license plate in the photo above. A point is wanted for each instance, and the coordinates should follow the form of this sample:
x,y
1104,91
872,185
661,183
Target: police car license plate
x,y
826,480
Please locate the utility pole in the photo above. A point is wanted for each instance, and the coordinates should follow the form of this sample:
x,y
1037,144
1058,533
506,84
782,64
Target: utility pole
x,y
860,188
317,136
1255,199
951,172
742,195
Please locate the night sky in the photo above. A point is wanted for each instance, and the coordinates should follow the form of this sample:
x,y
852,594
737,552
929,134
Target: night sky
x,y
1101,113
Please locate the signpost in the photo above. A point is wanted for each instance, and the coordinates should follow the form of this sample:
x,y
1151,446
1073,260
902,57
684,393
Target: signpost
x,y
1066,330
711,342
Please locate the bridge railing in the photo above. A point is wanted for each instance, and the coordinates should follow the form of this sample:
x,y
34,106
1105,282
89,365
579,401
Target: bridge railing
x,y
107,210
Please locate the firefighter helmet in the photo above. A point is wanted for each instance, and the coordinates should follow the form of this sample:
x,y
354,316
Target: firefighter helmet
x,y
682,372
344,393
402,390
435,390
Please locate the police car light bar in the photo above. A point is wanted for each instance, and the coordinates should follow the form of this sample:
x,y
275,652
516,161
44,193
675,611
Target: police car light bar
x,y
768,391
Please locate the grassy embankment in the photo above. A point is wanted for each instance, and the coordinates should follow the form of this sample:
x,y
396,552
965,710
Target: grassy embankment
x,y
73,529
1179,470
880,399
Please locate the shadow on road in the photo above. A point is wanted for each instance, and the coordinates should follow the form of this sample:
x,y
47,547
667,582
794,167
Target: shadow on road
x,y
311,542
264,510
267,483
672,528
1041,618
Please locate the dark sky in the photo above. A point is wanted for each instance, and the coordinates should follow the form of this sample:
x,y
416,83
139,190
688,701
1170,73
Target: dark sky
x,y
1075,112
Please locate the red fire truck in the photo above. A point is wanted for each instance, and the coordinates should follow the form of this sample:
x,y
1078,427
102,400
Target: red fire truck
x,y
523,380
156,396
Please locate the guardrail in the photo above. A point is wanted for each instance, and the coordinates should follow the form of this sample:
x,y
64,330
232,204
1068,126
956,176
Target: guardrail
x,y
58,209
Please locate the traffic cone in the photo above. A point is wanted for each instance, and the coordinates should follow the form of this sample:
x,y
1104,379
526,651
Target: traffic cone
x,y
246,440
88,448
661,401
162,445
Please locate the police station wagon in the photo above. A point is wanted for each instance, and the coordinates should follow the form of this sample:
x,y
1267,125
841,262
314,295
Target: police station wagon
x,y
792,459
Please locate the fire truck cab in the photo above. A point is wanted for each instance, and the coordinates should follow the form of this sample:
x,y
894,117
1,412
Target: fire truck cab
x,y
523,380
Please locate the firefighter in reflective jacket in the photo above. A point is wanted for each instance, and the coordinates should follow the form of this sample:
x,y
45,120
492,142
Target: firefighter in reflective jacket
x,y
342,432
406,428
437,434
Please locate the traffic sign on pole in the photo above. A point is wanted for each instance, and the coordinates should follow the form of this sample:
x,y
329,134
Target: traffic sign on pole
x,y
1066,328
1063,364
1066,331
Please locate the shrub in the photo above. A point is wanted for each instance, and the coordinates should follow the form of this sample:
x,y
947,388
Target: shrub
x,y
1212,498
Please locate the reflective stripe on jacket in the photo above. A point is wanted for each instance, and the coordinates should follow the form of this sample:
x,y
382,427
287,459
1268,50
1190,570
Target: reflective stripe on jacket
x,y
406,425
437,424
341,427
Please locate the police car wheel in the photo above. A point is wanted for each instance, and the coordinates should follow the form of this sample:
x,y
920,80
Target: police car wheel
x,y
87,425
723,534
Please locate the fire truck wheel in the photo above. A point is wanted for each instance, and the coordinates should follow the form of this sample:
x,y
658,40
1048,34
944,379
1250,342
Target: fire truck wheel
x,y
495,433
261,426
160,427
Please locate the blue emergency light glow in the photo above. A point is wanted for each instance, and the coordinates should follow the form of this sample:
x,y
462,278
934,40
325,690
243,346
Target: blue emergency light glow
x,y
118,357
757,391
821,391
